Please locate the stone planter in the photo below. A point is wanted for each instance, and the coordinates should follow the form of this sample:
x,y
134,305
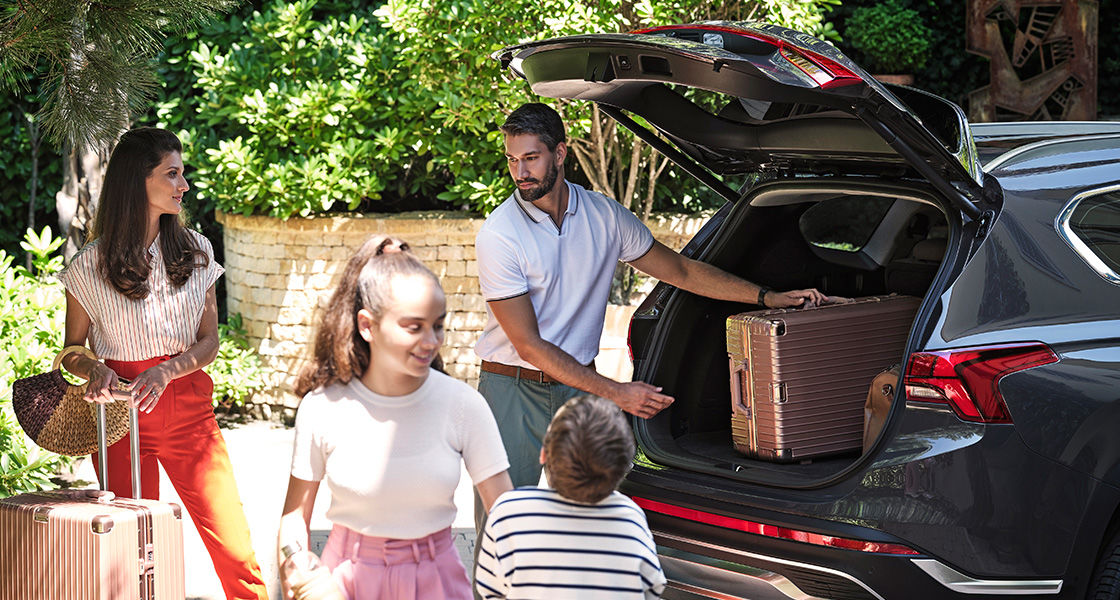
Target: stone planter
x,y
279,273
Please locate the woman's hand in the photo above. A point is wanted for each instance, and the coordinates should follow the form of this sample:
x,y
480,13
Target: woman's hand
x,y
104,386
148,387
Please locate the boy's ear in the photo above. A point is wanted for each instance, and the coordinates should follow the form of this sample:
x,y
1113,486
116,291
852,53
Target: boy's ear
x,y
365,323
542,455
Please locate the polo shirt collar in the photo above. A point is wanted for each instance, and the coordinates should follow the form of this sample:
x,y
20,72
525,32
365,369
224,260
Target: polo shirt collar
x,y
538,215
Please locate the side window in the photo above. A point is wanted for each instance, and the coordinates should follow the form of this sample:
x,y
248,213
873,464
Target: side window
x,y
844,223
1091,225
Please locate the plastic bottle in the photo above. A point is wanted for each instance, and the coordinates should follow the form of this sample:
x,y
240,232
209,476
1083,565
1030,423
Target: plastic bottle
x,y
304,569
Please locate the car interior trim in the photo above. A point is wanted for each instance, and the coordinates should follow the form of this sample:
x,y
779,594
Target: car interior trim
x,y
761,557
1065,231
698,574
963,584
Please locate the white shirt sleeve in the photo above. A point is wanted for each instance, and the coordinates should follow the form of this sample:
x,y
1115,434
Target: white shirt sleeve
x,y
308,459
635,237
77,278
499,269
213,270
483,452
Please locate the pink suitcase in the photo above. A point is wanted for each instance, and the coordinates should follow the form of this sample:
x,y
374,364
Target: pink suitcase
x,y
799,377
90,545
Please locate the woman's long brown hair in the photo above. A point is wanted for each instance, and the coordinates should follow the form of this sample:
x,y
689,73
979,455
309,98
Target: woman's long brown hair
x,y
340,353
122,217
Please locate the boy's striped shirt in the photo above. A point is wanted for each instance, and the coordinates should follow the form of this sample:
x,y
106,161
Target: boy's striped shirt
x,y
537,544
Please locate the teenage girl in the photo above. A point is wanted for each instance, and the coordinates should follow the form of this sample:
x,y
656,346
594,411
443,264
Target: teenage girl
x,y
141,293
388,434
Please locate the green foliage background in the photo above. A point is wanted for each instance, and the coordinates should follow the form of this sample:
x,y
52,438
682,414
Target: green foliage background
x,y
383,106
892,37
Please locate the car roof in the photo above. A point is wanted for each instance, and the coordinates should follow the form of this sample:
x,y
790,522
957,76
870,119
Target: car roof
x,y
994,140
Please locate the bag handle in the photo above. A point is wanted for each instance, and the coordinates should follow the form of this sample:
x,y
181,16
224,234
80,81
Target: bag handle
x,y
102,442
74,348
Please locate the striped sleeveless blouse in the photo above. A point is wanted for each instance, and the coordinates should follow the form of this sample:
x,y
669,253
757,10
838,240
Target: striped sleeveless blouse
x,y
121,328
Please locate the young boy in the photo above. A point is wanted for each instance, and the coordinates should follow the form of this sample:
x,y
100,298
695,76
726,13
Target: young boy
x,y
581,538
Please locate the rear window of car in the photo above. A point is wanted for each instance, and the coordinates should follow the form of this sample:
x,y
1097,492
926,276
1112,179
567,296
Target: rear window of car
x,y
845,223
1095,221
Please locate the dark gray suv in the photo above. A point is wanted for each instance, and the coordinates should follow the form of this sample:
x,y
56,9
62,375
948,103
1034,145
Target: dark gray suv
x,y
998,471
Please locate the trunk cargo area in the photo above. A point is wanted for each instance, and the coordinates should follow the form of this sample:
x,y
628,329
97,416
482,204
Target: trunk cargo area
x,y
854,241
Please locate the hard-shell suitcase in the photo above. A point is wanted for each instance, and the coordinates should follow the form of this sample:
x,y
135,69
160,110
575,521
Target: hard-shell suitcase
x,y
90,545
799,377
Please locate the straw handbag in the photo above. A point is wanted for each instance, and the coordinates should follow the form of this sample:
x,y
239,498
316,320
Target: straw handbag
x,y
54,414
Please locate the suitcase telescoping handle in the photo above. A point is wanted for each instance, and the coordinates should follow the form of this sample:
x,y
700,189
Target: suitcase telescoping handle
x,y
133,446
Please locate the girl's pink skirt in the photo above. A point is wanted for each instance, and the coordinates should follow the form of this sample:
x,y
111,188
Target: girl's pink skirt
x,y
374,568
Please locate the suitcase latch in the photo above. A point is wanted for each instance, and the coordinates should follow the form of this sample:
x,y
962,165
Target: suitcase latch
x,y
778,393
42,514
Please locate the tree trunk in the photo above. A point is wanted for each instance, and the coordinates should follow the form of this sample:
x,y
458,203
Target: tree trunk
x,y
76,202
33,135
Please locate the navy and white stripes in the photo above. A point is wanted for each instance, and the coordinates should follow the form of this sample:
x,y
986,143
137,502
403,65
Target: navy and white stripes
x,y
537,544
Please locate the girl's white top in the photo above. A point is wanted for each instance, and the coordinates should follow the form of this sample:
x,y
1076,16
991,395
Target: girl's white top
x,y
163,324
392,463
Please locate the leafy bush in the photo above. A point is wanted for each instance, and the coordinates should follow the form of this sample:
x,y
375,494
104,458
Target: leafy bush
x,y
306,107
32,314
316,121
892,37
237,372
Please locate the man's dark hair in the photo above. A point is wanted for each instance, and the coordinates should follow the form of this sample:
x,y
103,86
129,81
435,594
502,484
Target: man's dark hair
x,y
539,120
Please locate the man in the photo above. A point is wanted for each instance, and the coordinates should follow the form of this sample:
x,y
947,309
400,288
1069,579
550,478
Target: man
x,y
546,257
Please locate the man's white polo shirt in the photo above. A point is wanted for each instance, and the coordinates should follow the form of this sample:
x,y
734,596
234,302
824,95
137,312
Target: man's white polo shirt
x,y
566,272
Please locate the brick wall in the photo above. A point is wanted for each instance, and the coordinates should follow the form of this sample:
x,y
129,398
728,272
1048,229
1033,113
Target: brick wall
x,y
278,273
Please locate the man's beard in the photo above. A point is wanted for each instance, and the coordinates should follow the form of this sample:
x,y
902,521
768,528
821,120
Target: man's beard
x,y
536,193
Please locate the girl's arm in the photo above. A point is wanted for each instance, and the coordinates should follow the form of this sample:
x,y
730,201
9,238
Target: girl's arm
x,y
496,485
149,385
295,521
102,379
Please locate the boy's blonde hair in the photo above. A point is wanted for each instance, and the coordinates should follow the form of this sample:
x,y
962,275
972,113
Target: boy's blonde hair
x,y
588,449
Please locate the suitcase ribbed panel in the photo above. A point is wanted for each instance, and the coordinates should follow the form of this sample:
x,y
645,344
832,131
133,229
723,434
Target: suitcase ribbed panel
x,y
60,556
802,374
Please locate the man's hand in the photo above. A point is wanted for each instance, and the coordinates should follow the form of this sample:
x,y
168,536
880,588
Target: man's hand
x,y
640,399
795,298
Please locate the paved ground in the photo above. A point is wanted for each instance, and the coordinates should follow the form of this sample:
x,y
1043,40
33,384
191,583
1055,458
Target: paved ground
x,y
261,455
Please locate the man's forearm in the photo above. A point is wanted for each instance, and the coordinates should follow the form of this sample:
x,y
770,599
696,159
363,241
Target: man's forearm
x,y
709,281
560,365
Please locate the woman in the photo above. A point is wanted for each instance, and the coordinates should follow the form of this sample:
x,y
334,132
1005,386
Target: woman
x,y
141,292
389,434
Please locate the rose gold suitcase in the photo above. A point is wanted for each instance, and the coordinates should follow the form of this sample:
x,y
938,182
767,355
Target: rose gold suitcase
x,y
799,377
90,545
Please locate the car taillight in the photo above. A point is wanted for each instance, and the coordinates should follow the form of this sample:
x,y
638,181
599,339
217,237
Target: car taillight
x,y
967,379
772,531
825,71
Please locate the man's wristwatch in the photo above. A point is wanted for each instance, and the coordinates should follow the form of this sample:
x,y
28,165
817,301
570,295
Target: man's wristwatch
x,y
762,296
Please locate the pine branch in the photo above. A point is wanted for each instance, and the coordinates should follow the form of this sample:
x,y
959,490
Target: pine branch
x,y
97,56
